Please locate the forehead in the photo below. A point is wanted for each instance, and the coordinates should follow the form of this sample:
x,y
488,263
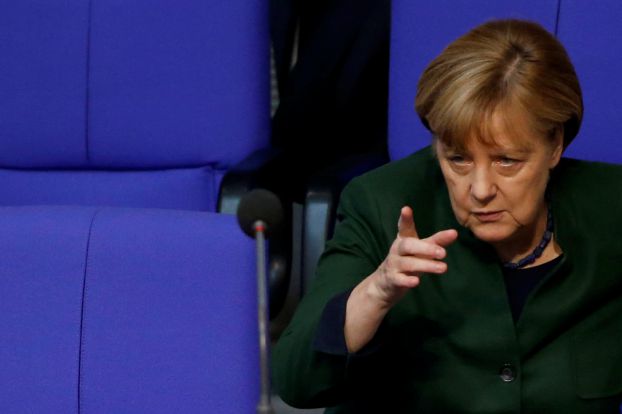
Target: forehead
x,y
501,129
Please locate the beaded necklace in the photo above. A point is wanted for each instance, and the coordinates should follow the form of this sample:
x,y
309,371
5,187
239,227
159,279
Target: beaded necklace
x,y
537,252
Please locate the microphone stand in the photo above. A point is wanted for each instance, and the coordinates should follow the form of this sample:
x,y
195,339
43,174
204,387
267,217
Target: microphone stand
x,y
264,406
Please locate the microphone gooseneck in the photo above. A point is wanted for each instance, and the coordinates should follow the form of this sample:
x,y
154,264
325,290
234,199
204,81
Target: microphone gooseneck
x,y
259,214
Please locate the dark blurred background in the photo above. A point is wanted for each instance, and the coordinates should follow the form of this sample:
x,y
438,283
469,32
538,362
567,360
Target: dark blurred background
x,y
331,60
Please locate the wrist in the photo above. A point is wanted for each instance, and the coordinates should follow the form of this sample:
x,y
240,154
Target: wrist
x,y
364,314
376,295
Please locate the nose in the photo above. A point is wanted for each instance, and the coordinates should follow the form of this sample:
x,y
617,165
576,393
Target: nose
x,y
483,187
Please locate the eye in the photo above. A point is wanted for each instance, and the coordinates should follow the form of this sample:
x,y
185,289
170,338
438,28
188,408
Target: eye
x,y
457,159
507,161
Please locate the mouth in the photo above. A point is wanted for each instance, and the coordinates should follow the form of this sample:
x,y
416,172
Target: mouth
x,y
488,216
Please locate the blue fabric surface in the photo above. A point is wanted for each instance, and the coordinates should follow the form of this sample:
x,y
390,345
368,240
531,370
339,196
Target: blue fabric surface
x,y
591,32
420,30
139,104
141,84
144,86
167,322
42,263
178,82
187,189
43,55
170,320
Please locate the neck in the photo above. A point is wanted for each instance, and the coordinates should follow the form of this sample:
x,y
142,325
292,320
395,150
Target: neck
x,y
524,243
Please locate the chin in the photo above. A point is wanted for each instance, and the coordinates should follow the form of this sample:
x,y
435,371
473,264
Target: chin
x,y
491,233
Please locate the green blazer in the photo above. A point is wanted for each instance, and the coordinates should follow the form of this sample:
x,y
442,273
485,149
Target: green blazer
x,y
450,345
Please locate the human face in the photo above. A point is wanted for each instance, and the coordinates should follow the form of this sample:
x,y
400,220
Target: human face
x,y
498,191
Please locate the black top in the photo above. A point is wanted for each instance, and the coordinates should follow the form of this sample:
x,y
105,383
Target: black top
x,y
520,282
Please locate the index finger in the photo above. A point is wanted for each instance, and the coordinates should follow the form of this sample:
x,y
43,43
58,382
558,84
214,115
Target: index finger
x,y
406,223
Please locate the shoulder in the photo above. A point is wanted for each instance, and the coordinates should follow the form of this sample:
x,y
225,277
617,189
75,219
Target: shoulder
x,y
588,182
414,181
416,173
570,168
588,199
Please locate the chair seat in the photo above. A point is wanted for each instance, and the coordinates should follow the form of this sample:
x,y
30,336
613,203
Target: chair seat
x,y
126,310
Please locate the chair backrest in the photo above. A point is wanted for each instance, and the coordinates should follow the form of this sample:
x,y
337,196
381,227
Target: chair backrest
x,y
126,310
136,103
589,30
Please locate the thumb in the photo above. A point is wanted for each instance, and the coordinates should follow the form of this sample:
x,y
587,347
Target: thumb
x,y
406,223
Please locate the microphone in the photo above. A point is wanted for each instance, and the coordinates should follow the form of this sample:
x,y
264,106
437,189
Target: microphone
x,y
260,214
260,205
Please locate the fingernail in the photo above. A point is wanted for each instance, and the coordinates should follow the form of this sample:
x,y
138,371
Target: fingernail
x,y
439,252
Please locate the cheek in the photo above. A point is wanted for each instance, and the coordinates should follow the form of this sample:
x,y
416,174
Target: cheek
x,y
525,198
534,184
459,197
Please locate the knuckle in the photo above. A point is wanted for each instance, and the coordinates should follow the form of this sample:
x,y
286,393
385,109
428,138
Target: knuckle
x,y
392,262
400,264
410,247
426,249
402,246
413,266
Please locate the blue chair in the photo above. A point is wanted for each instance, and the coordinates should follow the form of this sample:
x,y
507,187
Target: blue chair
x,y
123,289
420,30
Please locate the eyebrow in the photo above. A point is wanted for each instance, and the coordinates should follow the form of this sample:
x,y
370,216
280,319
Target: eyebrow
x,y
497,151
522,151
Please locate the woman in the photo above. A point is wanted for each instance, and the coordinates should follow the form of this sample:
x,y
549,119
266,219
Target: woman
x,y
506,294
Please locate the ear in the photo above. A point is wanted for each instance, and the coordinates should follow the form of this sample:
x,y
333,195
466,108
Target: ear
x,y
558,147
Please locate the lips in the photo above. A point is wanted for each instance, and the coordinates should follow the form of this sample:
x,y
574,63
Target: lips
x,y
488,216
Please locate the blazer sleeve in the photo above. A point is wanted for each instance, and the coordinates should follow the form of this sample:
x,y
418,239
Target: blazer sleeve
x,y
304,376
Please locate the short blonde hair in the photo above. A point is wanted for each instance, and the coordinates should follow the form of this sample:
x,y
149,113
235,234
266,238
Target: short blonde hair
x,y
499,66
